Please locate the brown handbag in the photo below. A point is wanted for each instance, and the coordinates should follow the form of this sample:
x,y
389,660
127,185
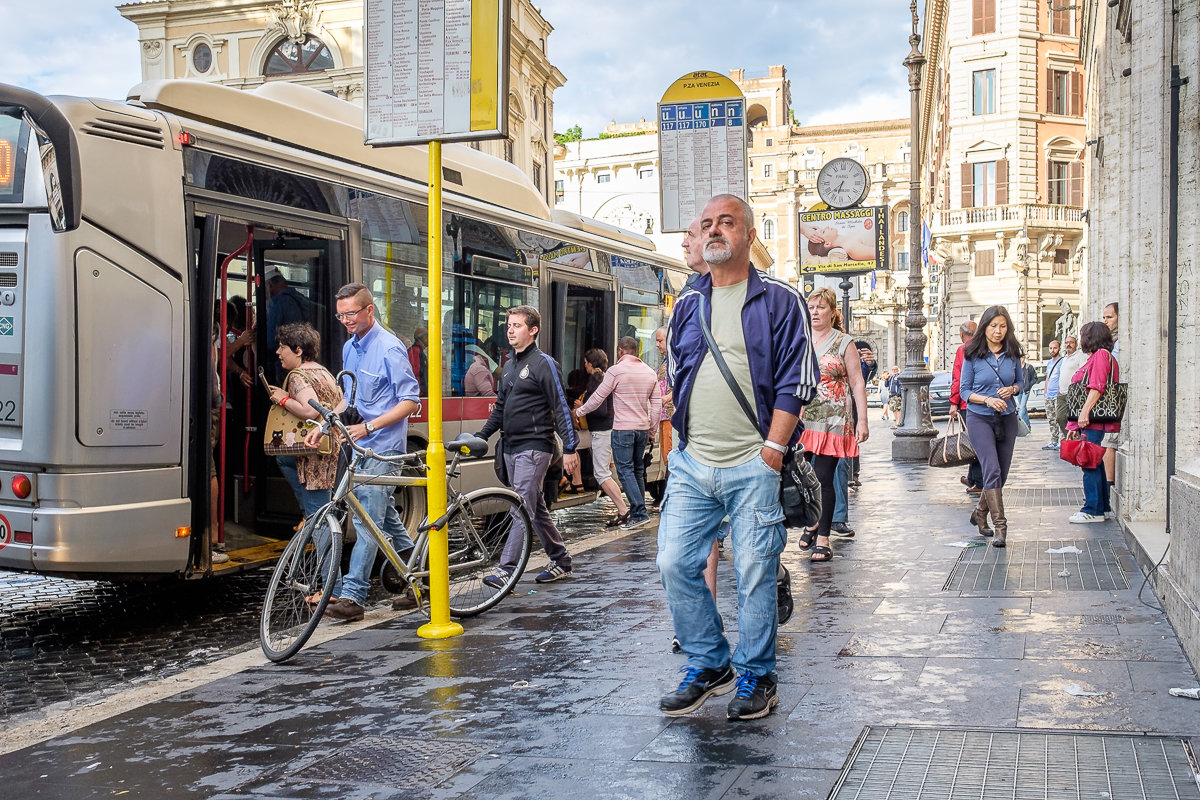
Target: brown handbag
x,y
953,448
284,432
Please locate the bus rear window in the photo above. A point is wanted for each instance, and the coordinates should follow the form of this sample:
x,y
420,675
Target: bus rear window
x,y
13,138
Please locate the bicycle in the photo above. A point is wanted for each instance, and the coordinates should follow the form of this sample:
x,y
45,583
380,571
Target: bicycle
x,y
478,525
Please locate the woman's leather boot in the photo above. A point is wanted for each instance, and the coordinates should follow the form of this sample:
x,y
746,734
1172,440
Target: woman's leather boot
x,y
979,516
995,503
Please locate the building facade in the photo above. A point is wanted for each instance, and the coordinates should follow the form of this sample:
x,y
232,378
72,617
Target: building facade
x,y
1003,137
245,43
616,179
1143,66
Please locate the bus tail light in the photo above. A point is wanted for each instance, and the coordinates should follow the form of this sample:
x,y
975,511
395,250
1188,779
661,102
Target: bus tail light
x,y
183,532
185,138
23,537
21,486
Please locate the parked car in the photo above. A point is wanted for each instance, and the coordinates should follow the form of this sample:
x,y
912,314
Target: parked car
x,y
874,395
1037,398
939,394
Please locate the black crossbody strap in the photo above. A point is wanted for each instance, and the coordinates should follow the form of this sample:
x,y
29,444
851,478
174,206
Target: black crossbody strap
x,y
725,371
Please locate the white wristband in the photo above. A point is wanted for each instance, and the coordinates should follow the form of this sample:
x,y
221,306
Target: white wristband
x,y
779,448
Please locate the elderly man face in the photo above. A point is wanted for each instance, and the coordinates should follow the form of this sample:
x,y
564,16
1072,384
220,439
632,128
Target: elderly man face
x,y
725,232
692,250
1070,344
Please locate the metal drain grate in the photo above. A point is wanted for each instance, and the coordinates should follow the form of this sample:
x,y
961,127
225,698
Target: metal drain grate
x,y
1036,496
911,763
377,761
1026,566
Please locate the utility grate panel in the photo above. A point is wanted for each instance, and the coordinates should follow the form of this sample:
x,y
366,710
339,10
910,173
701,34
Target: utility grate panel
x,y
1026,566
925,764
8,259
380,761
1101,619
1038,496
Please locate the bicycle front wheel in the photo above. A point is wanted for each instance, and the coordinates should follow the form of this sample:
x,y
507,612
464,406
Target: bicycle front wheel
x,y
301,586
477,534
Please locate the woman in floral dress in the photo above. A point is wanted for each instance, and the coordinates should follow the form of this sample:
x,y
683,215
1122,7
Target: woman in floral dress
x,y
830,432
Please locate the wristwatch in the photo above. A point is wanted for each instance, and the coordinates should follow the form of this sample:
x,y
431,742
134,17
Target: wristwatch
x,y
370,427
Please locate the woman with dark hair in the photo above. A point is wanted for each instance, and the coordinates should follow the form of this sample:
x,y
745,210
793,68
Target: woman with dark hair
x,y
1096,340
310,476
600,423
990,380
830,432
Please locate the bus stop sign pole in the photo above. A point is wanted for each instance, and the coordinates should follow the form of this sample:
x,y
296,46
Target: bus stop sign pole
x,y
440,626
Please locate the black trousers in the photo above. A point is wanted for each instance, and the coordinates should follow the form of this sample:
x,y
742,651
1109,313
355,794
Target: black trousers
x,y
825,467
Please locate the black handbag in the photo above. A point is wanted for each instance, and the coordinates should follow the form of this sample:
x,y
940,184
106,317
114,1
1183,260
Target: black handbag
x,y
799,487
1110,407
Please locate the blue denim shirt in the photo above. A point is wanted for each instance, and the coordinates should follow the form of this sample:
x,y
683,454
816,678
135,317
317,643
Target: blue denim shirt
x,y
385,378
985,376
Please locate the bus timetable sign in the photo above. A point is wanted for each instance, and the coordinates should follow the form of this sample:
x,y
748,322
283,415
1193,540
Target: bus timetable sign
x,y
436,69
701,145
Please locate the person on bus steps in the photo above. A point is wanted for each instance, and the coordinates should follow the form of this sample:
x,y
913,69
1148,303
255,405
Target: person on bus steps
x,y
530,407
284,307
387,396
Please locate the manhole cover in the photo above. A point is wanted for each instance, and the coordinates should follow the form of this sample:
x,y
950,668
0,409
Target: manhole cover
x,y
1027,566
911,763
1036,496
378,761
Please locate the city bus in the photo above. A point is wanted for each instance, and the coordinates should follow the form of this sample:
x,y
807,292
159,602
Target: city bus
x,y
131,233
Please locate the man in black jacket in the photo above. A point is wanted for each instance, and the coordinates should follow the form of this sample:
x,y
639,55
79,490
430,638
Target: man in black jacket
x,y
530,408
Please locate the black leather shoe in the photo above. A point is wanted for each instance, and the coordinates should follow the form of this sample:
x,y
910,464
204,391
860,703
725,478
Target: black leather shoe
x,y
697,686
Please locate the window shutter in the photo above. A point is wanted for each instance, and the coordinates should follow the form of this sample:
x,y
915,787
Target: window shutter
x,y
1052,198
977,17
1076,108
1076,180
1002,182
1049,91
968,185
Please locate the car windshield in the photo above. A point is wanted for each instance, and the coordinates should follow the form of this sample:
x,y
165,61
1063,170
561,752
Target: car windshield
x,y
941,380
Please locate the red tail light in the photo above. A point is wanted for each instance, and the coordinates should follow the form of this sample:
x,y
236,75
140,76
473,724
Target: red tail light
x,y
21,486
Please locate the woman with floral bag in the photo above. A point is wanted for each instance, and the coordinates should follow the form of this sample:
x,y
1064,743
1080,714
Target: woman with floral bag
x,y
1101,368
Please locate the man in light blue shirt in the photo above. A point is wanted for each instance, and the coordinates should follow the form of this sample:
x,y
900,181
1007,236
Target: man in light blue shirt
x,y
1053,375
386,396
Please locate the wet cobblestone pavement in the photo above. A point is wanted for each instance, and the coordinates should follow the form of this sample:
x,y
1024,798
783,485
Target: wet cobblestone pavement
x,y
555,692
62,640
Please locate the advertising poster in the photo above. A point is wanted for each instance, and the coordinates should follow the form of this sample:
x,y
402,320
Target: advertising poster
x,y
844,240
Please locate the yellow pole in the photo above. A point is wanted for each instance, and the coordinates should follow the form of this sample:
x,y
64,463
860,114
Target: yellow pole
x,y
440,625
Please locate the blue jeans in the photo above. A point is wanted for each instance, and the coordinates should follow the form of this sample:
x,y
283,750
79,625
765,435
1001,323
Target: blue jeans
x,y
377,502
1023,408
841,481
310,500
697,498
1095,482
628,449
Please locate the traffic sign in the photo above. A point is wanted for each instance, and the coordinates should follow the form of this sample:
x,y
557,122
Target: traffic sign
x,y
435,69
701,145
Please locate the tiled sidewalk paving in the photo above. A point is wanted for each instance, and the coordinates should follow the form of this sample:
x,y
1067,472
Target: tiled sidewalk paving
x,y
889,681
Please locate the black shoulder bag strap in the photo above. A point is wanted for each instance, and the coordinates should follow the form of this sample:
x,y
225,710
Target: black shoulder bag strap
x,y
725,371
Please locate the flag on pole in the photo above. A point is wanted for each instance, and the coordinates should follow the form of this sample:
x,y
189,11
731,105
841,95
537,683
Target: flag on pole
x,y
925,240
872,280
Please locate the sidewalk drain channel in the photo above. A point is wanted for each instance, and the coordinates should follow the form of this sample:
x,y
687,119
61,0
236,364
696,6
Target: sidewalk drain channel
x,y
1026,566
379,761
1038,496
910,763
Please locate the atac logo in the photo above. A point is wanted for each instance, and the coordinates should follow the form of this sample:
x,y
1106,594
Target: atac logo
x,y
5,532
524,372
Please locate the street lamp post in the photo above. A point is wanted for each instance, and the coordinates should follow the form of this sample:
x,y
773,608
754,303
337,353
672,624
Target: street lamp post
x,y
911,439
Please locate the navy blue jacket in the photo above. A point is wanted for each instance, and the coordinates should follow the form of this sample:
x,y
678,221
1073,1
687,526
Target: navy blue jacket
x,y
531,405
778,337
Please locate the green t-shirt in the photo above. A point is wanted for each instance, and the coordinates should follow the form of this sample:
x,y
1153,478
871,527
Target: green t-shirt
x,y
719,432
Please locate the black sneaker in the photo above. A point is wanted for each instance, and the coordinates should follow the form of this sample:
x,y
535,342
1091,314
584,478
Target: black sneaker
x,y
697,686
755,698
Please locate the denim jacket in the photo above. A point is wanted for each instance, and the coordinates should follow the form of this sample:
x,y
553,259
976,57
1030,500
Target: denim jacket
x,y
985,376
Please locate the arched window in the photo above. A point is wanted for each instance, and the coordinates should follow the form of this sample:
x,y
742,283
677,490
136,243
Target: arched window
x,y
289,58
902,222
768,229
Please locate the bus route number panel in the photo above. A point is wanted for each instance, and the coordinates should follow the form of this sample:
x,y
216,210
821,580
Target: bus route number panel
x,y
703,153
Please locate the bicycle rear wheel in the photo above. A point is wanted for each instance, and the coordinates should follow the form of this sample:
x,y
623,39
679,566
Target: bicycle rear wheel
x,y
305,573
477,534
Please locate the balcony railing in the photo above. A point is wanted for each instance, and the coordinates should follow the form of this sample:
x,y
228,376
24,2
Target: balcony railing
x,y
1011,216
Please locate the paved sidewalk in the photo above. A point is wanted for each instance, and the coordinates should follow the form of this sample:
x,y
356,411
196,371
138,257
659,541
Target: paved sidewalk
x,y
554,694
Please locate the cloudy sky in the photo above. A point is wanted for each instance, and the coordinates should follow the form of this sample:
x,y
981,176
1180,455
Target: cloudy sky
x,y
619,56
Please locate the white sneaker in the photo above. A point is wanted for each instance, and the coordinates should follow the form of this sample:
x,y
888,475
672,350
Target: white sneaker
x,y
218,557
1109,515
1081,517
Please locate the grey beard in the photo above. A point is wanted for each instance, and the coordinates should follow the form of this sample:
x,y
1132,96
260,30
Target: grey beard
x,y
719,256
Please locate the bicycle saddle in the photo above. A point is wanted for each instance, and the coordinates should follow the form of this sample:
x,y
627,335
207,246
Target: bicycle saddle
x,y
468,445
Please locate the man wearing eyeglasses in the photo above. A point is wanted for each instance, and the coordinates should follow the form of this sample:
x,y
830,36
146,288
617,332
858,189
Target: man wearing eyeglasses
x,y
386,396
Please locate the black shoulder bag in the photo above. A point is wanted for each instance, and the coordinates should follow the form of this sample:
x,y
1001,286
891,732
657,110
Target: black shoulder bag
x,y
799,487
